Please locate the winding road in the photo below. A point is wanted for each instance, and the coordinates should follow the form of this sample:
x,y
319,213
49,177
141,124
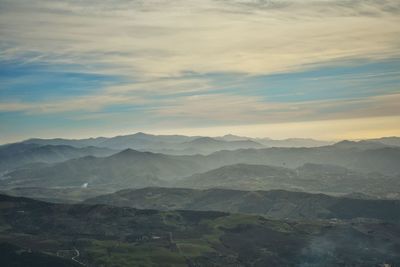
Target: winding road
x,y
76,256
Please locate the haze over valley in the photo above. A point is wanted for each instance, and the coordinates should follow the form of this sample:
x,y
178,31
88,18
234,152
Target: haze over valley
x,y
190,208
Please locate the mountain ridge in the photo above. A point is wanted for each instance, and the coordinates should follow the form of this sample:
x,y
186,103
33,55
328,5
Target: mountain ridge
x,y
276,204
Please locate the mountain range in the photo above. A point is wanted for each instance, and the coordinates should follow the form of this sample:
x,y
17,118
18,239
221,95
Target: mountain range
x,y
329,169
179,144
142,200
58,150
175,143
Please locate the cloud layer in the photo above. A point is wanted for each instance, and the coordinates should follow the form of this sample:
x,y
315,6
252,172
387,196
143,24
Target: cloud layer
x,y
168,38
169,59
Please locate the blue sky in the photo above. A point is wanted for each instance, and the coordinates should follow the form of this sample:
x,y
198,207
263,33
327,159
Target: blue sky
x,y
261,68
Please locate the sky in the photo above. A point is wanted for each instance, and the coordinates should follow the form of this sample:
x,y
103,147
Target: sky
x,y
325,69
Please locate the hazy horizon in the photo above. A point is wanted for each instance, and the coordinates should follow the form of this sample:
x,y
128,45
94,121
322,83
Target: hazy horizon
x,y
314,130
203,133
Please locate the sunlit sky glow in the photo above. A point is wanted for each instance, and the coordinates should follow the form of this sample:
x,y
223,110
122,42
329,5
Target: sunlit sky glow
x,y
326,69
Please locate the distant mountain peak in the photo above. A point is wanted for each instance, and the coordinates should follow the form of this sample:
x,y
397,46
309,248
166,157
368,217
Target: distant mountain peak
x,y
203,140
236,137
128,152
232,137
363,144
138,134
345,142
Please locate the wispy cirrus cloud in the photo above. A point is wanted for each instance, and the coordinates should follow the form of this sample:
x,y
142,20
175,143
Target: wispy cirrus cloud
x,y
169,38
232,109
83,103
124,93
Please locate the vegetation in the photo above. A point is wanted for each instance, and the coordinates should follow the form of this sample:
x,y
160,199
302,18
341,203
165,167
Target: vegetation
x,y
112,236
277,204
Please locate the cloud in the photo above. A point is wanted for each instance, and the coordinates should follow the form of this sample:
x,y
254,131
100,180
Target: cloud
x,y
233,109
193,101
145,39
83,103
124,93
163,86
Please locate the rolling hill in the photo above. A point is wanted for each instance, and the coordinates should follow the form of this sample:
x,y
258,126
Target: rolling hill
x,y
277,204
100,235
328,179
128,168
385,160
57,194
15,155
369,171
